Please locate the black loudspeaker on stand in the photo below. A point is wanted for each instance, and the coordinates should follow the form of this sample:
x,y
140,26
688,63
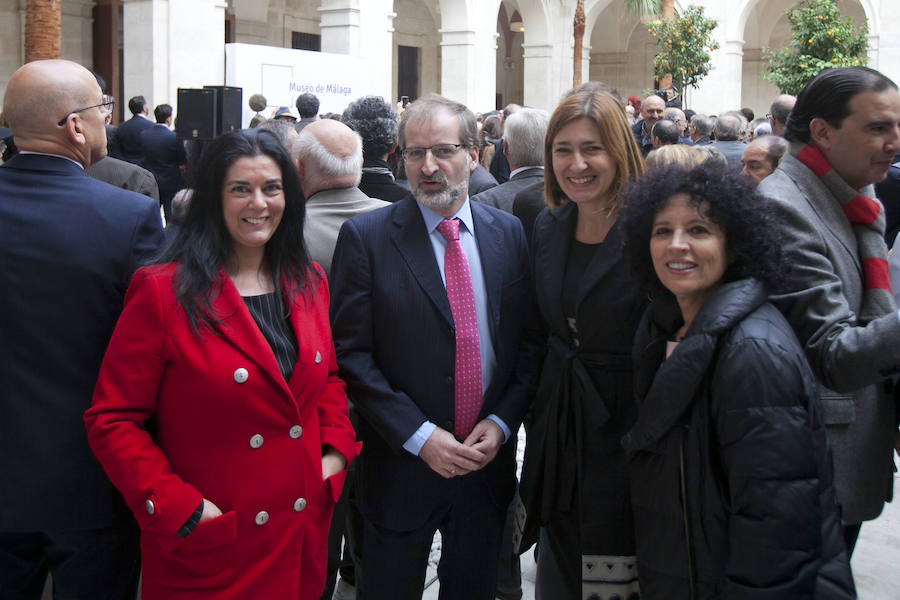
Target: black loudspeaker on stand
x,y
206,113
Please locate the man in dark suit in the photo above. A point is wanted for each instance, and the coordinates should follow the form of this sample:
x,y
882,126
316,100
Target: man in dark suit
x,y
527,205
729,127
652,109
164,156
128,134
68,246
523,145
701,129
500,168
442,379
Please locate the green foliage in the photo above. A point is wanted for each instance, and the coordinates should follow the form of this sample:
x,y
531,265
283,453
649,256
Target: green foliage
x,y
644,8
684,46
822,39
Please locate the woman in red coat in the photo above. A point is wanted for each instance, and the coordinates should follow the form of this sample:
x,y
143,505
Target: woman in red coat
x,y
218,412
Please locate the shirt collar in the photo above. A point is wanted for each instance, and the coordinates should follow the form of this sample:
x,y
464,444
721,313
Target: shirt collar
x,y
432,219
520,169
55,155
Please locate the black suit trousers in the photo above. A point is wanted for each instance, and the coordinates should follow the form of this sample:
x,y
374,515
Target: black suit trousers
x,y
471,528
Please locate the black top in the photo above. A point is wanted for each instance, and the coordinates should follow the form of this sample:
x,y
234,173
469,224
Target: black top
x,y
268,312
580,256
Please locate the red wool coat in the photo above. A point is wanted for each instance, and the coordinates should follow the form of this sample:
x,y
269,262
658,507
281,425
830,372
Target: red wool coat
x,y
227,428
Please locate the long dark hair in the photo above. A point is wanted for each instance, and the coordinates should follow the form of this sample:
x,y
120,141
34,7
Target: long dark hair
x,y
203,245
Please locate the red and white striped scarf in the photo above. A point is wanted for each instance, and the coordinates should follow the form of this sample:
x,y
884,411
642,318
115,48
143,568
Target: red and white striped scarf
x,y
866,215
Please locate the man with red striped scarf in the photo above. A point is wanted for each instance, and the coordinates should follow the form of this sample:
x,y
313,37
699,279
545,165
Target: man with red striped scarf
x,y
843,133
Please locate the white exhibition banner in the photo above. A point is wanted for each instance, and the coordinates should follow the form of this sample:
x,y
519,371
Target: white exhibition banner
x,y
282,74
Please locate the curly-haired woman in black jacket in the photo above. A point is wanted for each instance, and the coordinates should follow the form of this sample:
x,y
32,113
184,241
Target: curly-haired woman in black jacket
x,y
731,471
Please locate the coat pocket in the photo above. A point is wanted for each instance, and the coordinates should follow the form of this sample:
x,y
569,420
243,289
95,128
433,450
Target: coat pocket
x,y
334,485
203,559
837,409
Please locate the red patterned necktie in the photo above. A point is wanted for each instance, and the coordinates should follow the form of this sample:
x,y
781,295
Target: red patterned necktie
x,y
468,354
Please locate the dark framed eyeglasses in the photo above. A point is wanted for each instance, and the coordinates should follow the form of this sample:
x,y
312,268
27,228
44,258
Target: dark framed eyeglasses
x,y
106,107
439,151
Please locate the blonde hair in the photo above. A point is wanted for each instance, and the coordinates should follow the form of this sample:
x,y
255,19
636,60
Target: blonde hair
x,y
675,154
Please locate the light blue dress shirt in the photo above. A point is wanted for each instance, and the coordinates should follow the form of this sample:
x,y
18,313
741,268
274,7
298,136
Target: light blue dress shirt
x,y
488,358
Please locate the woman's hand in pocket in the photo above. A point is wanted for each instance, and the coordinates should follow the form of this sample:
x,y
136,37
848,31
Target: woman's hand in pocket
x,y
210,511
333,462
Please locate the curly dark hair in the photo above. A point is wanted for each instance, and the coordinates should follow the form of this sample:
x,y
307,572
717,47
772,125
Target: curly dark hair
x,y
203,245
376,122
744,215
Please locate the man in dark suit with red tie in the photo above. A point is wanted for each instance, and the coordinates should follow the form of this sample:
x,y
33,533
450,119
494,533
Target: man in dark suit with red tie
x,y
430,304
68,246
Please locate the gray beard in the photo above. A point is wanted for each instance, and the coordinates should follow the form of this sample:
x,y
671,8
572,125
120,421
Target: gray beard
x,y
443,199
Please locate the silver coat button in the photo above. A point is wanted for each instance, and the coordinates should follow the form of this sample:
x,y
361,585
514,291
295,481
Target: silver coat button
x,y
150,507
256,441
299,504
262,517
318,357
296,431
241,375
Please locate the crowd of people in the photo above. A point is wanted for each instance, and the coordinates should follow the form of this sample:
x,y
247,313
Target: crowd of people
x,y
326,355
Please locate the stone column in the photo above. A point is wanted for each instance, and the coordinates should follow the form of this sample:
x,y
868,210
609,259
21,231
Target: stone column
x,y
548,52
469,52
377,45
884,46
165,49
340,26
720,90
458,61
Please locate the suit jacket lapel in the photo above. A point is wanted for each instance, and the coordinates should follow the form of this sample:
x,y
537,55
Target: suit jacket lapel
x,y
824,204
240,330
411,240
488,236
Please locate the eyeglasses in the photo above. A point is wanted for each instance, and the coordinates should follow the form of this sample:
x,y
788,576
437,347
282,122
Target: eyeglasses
x,y
439,151
106,107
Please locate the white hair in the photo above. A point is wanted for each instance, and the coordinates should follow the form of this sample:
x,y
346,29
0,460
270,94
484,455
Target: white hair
x,y
524,132
310,151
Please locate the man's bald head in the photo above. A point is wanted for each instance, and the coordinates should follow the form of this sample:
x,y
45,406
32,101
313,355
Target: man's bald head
x,y
42,92
779,110
328,155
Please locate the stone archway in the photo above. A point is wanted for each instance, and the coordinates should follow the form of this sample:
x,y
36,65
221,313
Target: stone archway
x,y
764,23
621,49
417,45
511,28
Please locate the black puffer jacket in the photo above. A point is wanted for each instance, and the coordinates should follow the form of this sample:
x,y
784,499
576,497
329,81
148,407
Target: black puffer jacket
x,y
731,472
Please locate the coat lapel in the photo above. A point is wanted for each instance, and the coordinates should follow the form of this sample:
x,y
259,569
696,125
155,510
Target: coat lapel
x,y
551,261
238,328
824,204
411,240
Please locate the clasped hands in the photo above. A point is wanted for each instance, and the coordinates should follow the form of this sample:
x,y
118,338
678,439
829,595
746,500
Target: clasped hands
x,y
449,458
